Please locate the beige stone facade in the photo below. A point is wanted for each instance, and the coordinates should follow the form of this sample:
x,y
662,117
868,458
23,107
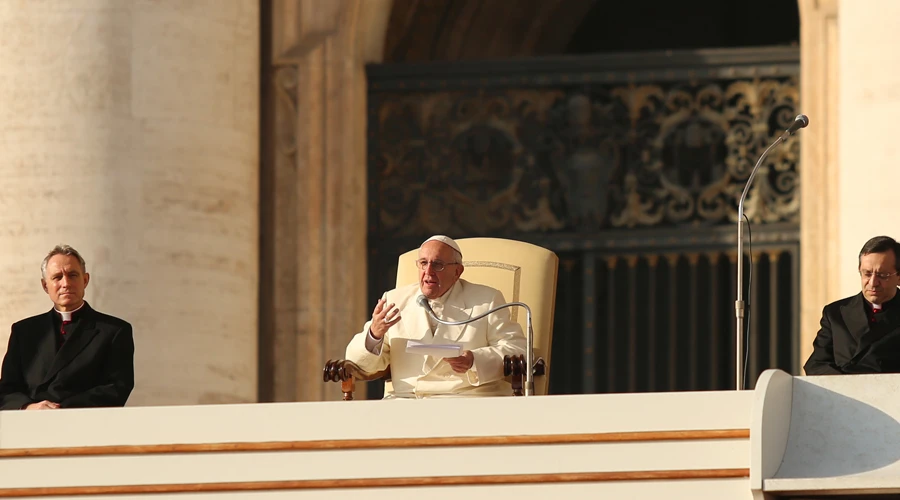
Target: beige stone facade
x,y
313,287
820,206
129,129
849,89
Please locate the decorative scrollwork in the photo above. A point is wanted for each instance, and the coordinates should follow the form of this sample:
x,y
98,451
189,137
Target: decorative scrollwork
x,y
556,159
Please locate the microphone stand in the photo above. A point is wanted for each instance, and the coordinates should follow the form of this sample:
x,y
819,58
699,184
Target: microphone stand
x,y
739,303
529,339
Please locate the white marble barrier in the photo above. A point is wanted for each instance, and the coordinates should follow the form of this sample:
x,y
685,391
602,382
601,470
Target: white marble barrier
x,y
672,445
826,435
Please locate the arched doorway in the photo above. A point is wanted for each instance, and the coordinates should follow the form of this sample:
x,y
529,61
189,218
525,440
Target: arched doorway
x,y
294,33
468,30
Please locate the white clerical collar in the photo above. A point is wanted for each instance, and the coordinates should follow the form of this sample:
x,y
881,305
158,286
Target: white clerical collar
x,y
443,298
67,315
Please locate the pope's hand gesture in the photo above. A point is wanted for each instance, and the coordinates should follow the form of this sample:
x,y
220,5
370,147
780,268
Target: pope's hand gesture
x,y
383,317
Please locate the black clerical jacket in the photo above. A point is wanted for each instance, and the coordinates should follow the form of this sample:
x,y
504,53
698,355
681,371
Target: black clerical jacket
x,y
852,339
93,367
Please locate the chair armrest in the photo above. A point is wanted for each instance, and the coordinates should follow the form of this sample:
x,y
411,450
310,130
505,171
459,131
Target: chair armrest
x,y
514,367
345,372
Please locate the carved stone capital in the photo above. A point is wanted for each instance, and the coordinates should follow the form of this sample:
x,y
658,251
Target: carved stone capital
x,y
299,26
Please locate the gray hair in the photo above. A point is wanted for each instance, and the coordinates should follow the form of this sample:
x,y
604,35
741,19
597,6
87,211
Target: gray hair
x,y
62,250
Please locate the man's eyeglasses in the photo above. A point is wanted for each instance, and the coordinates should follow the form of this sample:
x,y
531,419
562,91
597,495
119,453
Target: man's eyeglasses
x,y
869,275
437,265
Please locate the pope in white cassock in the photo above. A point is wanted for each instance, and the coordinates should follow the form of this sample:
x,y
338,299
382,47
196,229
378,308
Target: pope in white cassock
x,y
398,319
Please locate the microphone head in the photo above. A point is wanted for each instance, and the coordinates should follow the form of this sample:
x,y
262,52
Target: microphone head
x,y
803,119
422,301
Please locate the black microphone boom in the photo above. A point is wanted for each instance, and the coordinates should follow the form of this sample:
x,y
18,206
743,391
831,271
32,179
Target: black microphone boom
x,y
799,122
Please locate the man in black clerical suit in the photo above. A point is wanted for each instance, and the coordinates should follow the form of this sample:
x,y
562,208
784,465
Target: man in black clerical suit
x,y
71,356
861,334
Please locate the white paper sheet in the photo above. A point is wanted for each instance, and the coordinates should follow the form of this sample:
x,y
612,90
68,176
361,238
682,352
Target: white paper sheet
x,y
436,350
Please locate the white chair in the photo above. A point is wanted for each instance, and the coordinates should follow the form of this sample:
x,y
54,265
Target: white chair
x,y
521,271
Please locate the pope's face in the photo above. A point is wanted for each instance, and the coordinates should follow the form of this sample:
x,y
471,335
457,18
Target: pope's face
x,y
434,255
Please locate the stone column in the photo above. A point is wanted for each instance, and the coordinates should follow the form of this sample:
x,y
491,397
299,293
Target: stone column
x,y
850,77
869,96
314,165
820,204
129,129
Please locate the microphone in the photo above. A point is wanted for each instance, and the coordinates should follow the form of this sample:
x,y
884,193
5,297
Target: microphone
x,y
529,339
800,121
423,302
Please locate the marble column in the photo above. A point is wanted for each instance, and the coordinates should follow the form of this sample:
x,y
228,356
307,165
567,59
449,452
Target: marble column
x,y
869,153
820,204
850,77
129,129
313,254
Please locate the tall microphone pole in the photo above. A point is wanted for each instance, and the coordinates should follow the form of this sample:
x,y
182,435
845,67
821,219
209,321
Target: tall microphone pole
x,y
799,122
529,339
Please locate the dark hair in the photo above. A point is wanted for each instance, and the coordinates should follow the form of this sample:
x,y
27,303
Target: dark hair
x,y
881,244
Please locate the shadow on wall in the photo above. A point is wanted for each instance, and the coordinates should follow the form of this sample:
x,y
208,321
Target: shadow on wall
x,y
834,435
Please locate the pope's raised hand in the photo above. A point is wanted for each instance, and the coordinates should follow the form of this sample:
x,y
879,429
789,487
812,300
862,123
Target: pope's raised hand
x,y
383,317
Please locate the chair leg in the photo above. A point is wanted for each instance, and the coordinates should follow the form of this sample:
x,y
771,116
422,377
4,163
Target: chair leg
x,y
517,385
347,387
513,367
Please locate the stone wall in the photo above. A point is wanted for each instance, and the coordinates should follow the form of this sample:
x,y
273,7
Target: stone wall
x,y
130,131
